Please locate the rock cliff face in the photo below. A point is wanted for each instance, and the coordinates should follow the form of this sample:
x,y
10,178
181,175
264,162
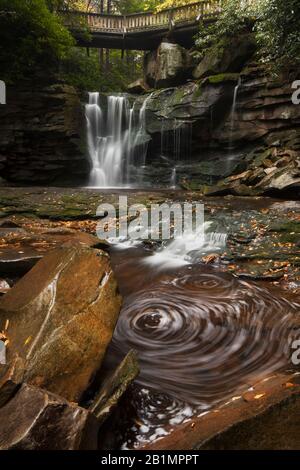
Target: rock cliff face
x,y
198,139
42,135
242,126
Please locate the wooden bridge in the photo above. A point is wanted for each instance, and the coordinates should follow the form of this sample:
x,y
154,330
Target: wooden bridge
x,y
142,31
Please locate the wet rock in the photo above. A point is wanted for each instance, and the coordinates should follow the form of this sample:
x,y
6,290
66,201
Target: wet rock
x,y
61,319
264,112
111,392
286,227
192,101
258,273
22,250
259,140
275,429
11,378
35,419
265,422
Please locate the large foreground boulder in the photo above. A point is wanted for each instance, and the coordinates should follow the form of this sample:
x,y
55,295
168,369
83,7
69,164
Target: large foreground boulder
x,y
35,419
59,319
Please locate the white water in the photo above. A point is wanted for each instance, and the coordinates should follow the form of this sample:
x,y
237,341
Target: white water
x,y
233,109
117,140
173,178
187,248
183,250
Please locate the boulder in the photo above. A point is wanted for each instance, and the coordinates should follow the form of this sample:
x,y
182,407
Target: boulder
x,y
258,420
284,180
138,87
192,101
115,386
229,55
168,66
22,249
61,318
35,419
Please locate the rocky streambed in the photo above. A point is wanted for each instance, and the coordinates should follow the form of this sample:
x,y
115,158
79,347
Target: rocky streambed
x,y
212,337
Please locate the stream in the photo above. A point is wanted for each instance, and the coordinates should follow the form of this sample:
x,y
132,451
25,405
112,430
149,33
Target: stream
x,y
201,336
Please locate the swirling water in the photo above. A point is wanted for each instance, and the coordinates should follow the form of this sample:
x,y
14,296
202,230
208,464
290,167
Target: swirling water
x,y
201,335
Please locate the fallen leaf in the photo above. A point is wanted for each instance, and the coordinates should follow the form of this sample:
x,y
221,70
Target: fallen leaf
x,y
289,385
260,395
27,340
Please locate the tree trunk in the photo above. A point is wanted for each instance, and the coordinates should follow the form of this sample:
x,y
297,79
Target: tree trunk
x,y
101,51
107,55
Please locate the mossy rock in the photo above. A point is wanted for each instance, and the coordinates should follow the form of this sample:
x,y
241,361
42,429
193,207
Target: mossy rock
x,y
229,55
288,226
222,78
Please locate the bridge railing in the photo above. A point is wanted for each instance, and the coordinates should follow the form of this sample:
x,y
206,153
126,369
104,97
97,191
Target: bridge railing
x,y
169,18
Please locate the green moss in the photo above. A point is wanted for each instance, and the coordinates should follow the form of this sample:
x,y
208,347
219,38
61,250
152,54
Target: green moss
x,y
288,226
177,96
198,92
223,77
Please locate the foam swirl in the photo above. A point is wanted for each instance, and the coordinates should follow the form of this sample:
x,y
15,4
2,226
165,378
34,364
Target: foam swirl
x,y
202,335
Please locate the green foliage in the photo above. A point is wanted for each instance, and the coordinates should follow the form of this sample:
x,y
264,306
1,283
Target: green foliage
x,y
274,22
166,4
236,17
277,31
86,73
136,6
30,36
68,5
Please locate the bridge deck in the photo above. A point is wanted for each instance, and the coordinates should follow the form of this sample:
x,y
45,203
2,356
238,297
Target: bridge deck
x,y
142,31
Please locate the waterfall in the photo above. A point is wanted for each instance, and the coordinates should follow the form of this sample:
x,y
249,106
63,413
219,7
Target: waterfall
x,y
173,178
233,110
189,247
117,140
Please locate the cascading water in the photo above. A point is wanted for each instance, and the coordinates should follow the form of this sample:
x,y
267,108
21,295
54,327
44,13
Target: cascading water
x,y
189,246
233,110
117,140
175,146
173,178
